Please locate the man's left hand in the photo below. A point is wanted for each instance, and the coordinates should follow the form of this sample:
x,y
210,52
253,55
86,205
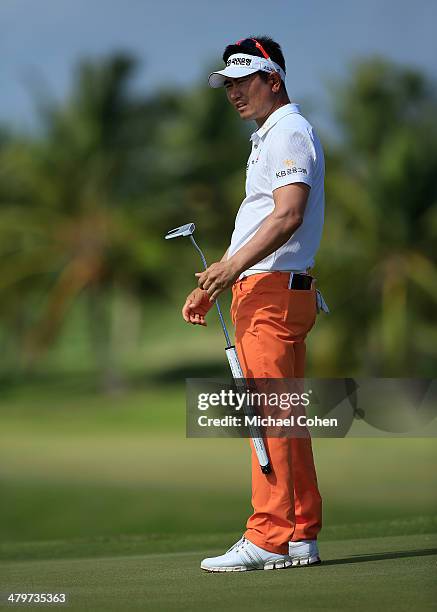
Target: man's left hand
x,y
216,278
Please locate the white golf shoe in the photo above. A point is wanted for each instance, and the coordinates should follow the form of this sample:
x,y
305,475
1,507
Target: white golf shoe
x,y
244,556
305,552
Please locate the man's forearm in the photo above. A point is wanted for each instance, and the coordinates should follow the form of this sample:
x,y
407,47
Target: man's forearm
x,y
225,256
272,234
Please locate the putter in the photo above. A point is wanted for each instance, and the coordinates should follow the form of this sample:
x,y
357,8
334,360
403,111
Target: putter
x,y
231,352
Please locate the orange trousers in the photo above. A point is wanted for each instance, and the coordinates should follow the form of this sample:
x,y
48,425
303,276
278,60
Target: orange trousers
x,y
271,323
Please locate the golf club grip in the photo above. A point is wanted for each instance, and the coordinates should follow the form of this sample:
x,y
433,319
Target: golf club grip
x,y
258,442
234,363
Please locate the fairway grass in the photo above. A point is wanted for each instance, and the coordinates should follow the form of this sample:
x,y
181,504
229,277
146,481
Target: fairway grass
x,y
107,500
385,573
87,484
156,543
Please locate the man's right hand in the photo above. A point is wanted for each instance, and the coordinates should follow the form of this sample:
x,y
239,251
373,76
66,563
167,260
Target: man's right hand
x,y
196,306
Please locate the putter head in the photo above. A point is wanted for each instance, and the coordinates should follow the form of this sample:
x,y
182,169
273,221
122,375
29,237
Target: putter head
x,y
182,230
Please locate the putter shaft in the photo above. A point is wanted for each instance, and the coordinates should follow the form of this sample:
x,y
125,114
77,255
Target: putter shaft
x,y
222,321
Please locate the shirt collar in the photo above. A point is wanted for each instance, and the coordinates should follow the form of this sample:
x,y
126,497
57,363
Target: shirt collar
x,y
283,111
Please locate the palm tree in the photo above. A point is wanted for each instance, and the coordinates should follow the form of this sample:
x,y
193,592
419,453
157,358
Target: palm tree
x,y
379,251
75,213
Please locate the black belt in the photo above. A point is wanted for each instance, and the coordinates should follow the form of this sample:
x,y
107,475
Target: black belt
x,y
300,281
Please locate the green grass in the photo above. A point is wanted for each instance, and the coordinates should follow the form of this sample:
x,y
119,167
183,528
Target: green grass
x,y
82,464
389,573
58,484
103,497
150,543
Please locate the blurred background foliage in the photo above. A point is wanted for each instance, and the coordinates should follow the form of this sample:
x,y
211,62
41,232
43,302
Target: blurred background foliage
x,y
87,283
95,352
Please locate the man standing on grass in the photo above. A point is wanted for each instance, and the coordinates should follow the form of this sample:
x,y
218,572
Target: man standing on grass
x,y
277,234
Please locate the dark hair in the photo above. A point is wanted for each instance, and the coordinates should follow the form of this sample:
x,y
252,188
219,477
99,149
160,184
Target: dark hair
x,y
270,46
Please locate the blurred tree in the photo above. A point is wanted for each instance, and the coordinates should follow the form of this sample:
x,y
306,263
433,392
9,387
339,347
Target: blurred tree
x,y
73,216
206,146
84,206
378,255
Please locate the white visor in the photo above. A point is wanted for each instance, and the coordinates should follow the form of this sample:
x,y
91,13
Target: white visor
x,y
240,65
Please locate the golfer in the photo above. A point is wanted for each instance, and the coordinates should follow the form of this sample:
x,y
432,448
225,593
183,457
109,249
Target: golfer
x,y
277,233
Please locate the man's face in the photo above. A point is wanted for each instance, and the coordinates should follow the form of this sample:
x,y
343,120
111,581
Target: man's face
x,y
251,95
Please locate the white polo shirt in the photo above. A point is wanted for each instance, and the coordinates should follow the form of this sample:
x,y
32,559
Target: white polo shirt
x,y
285,150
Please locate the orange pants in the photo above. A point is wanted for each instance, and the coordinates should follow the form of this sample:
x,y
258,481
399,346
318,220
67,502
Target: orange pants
x,y
271,323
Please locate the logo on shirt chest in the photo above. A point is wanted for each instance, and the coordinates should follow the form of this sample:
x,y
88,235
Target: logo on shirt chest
x,y
252,161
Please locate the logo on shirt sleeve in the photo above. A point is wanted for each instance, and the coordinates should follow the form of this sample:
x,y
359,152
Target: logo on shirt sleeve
x,y
291,168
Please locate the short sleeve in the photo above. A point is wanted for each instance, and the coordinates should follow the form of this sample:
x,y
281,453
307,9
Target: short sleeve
x,y
291,158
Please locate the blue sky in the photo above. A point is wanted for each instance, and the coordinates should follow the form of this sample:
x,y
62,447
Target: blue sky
x,y
177,41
